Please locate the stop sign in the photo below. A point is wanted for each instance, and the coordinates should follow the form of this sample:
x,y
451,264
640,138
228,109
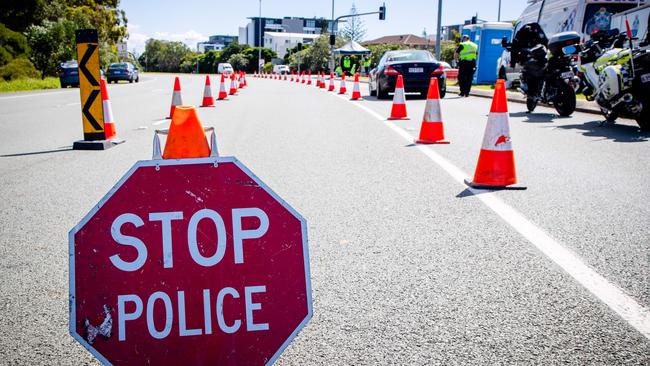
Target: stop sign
x,y
191,261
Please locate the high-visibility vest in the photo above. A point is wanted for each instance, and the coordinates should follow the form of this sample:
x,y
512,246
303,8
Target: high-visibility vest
x,y
469,51
346,62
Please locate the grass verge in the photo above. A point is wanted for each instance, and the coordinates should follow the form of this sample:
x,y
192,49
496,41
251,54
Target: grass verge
x,y
29,84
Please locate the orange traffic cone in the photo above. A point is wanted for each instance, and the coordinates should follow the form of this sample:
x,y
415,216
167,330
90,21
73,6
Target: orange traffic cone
x,y
342,88
222,89
496,162
285,77
208,100
431,130
242,80
233,86
186,137
298,77
291,78
302,78
309,78
176,97
331,87
109,123
356,91
318,80
322,80
398,111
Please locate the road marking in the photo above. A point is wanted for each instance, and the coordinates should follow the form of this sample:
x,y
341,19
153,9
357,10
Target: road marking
x,y
625,306
35,94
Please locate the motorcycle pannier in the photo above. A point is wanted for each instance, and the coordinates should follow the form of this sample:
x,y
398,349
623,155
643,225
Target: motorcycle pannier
x,y
560,40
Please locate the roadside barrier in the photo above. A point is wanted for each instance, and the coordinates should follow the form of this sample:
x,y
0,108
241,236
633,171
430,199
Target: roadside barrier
x,y
176,97
496,162
398,110
432,130
208,100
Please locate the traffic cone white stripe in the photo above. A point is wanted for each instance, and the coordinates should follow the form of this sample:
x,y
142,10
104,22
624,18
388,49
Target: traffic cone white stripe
x,y
497,132
398,97
176,98
108,112
432,111
355,88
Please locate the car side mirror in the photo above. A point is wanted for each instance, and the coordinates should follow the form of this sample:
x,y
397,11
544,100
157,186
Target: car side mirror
x,y
504,43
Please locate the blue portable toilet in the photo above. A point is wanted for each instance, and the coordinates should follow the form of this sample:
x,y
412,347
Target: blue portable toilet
x,y
488,37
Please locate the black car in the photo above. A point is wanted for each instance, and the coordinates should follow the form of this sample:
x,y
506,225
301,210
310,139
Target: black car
x,y
416,67
122,71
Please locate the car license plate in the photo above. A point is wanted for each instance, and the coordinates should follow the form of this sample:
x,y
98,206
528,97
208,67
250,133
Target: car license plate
x,y
567,74
415,69
645,78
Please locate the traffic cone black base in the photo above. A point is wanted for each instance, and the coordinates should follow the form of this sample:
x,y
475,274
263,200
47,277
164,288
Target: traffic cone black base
x,y
495,188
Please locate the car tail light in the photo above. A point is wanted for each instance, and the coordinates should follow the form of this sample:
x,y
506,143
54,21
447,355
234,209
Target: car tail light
x,y
390,71
438,71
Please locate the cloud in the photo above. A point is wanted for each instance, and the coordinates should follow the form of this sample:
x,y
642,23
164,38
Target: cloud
x,y
137,39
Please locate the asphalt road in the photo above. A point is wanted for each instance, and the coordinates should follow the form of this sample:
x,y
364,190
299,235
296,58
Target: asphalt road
x,y
408,266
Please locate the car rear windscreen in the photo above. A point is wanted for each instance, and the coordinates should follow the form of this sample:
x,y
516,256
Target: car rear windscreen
x,y
410,56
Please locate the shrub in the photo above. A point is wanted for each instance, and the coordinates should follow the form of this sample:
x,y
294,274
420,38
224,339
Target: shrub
x,y
19,68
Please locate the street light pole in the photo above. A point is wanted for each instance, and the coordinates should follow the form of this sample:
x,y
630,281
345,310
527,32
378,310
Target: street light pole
x,y
331,46
259,50
499,14
439,30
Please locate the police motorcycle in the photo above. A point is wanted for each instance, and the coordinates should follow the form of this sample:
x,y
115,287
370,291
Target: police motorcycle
x,y
547,67
617,78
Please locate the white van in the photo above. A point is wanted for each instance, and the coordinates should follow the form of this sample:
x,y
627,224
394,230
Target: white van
x,y
224,68
555,16
281,69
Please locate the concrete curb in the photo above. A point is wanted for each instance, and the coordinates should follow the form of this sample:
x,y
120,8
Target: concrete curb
x,y
581,105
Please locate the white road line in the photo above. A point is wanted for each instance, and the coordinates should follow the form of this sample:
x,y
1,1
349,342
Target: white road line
x,y
35,94
625,306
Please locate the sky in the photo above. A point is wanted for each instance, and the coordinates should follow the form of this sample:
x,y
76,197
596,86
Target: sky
x,y
192,21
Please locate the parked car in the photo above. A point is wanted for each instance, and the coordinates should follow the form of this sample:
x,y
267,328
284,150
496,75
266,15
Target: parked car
x,y
225,68
69,74
416,67
122,71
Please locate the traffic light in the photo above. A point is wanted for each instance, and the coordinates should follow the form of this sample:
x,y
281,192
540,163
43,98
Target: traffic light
x,y
382,12
299,46
332,39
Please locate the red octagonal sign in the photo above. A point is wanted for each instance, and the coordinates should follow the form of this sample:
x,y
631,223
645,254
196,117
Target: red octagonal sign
x,y
191,261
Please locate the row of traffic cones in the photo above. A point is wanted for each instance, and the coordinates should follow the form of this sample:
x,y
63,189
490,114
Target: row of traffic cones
x,y
495,168
237,81
306,78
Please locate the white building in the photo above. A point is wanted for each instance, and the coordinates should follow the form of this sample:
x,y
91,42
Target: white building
x,y
281,42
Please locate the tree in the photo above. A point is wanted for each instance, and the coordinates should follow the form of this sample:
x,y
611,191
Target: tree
x,y
167,56
251,54
12,45
354,28
238,61
378,50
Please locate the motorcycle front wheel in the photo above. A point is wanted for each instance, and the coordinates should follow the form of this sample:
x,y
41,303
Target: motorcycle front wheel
x,y
531,103
565,100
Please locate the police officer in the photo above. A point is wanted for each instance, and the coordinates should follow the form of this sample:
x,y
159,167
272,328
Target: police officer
x,y
466,52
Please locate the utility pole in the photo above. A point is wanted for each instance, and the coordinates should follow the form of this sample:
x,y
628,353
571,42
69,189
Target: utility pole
x,y
259,51
331,45
499,13
439,30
